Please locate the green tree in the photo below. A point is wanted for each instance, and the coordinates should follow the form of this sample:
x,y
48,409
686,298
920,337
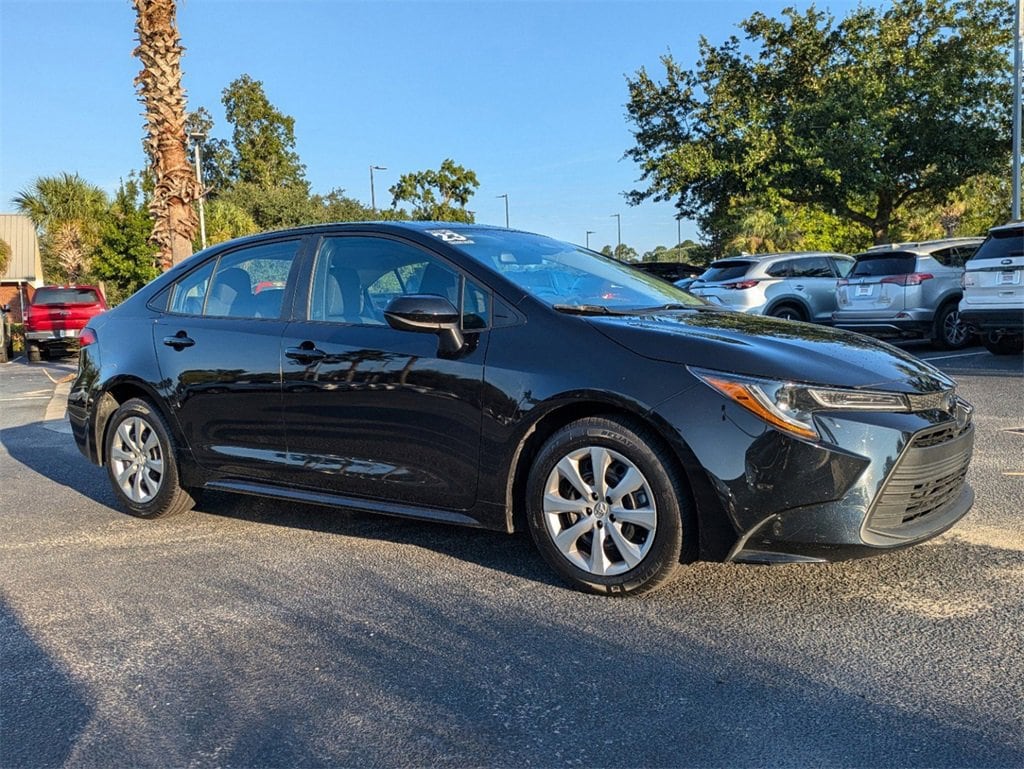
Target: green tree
x,y
216,156
263,138
67,212
125,259
226,220
622,252
867,117
439,195
5,256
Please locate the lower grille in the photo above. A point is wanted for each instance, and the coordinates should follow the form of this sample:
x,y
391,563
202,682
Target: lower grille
x,y
928,477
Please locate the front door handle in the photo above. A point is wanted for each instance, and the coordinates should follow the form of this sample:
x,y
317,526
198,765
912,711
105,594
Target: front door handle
x,y
305,354
179,341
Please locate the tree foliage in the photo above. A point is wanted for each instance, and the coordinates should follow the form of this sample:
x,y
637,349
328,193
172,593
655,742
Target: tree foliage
x,y
439,195
865,117
125,259
67,212
5,256
216,156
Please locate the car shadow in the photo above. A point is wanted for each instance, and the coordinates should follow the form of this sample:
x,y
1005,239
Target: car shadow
x,y
43,711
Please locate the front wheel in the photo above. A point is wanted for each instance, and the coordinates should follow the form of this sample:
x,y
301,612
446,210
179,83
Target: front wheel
x,y
141,463
950,333
787,312
606,508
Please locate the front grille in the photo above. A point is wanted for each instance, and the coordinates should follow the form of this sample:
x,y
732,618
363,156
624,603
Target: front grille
x,y
928,477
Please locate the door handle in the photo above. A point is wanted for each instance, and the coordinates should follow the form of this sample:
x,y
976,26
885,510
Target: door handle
x,y
304,354
179,341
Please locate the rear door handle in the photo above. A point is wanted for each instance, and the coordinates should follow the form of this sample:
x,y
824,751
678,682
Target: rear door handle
x,y
179,341
304,354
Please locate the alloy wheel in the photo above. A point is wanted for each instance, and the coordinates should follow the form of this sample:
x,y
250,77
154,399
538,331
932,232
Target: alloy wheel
x,y
599,511
954,331
137,460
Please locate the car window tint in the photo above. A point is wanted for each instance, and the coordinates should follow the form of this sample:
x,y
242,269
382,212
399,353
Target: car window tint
x,y
843,266
476,308
190,292
69,295
948,257
725,271
886,263
812,267
1001,244
781,269
250,282
355,278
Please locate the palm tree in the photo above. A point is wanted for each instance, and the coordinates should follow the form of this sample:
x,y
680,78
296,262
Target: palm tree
x,y
161,93
67,212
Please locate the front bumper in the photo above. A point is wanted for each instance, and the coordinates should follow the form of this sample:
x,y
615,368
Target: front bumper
x,y
874,482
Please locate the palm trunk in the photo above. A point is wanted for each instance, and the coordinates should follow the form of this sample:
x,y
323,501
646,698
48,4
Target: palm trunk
x,y
161,93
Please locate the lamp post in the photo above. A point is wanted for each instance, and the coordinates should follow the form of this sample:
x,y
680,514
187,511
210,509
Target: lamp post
x,y
618,222
589,233
373,197
506,207
679,229
197,140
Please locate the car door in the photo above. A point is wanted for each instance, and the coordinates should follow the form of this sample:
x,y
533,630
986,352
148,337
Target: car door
x,y
375,412
219,350
815,281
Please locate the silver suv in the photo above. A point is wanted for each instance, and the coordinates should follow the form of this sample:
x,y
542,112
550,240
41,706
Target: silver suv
x,y
993,300
797,285
908,290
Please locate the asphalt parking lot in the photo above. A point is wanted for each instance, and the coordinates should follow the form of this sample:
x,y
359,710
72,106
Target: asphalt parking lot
x,y
250,634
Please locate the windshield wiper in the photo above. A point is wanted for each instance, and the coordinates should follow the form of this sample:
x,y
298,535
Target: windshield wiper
x,y
587,309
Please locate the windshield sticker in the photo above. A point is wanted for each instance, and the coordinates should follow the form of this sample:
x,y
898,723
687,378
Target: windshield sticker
x,y
450,236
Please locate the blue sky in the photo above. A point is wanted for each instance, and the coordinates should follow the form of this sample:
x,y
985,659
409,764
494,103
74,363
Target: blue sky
x,y
530,95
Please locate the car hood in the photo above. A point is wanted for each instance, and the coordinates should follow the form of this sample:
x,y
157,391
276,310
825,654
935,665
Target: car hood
x,y
772,348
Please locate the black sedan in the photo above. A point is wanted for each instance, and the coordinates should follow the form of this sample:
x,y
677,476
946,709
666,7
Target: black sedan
x,y
505,380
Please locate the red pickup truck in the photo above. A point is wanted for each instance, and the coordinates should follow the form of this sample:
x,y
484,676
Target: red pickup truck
x,y
56,315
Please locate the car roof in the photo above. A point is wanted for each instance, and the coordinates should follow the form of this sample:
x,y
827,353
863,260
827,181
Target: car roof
x,y
778,255
1017,225
924,247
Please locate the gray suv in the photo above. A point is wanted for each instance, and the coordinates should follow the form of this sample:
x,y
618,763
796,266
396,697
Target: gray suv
x,y
908,290
796,285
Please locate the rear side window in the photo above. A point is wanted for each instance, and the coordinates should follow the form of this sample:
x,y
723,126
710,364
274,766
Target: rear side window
x,y
725,271
1002,244
888,263
55,295
782,269
812,267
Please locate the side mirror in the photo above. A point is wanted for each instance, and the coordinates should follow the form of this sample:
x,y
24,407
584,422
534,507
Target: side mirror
x,y
427,313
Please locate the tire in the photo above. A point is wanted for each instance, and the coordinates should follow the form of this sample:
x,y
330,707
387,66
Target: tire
x,y
949,333
142,464
565,515
33,352
1007,344
788,312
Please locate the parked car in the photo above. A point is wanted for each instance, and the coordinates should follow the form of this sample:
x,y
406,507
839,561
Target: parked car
x,y
909,290
794,286
993,300
55,316
415,369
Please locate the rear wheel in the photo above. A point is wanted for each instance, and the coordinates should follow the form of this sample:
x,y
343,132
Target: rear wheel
x,y
787,312
949,332
33,352
606,508
1007,344
141,462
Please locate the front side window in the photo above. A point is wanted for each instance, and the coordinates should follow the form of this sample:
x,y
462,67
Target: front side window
x,y
356,277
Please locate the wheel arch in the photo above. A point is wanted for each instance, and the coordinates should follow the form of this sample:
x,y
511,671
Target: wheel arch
x,y
700,494
792,301
118,392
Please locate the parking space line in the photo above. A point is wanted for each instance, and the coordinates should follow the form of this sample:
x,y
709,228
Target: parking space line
x,y
958,355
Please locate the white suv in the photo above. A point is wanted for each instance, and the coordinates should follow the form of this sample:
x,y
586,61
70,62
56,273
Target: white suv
x,y
993,298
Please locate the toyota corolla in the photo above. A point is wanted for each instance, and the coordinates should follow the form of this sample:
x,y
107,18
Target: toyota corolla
x,y
505,380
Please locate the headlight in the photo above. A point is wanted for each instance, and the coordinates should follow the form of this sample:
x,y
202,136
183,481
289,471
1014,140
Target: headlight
x,y
789,406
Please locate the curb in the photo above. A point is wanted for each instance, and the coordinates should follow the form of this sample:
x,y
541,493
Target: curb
x,y
55,419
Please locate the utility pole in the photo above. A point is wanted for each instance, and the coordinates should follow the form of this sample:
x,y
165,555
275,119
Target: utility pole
x,y
1018,63
197,140
506,207
373,197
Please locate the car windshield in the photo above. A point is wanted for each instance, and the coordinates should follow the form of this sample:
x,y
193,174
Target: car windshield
x,y
888,263
565,276
65,296
720,271
1001,244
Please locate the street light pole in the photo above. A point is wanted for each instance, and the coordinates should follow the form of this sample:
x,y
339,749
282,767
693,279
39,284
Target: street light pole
x,y
679,229
197,142
506,207
373,196
589,233
1018,55
618,222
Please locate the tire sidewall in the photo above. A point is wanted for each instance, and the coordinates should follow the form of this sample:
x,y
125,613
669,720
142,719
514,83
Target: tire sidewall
x,y
664,554
940,338
164,499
